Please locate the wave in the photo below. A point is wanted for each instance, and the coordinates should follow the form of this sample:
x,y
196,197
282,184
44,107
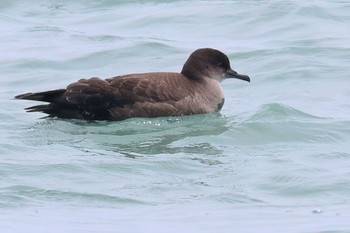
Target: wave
x,y
18,195
278,123
281,112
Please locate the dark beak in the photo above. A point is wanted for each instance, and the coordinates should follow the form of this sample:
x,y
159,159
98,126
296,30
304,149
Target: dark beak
x,y
233,74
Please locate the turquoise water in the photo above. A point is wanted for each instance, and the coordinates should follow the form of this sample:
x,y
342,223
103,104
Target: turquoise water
x,y
276,159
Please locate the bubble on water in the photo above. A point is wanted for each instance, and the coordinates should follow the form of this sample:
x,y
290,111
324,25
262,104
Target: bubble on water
x,y
317,211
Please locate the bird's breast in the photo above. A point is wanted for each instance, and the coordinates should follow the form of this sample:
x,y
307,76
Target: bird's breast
x,y
206,98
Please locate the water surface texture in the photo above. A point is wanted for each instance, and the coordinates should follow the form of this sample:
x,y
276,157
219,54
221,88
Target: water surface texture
x,y
276,159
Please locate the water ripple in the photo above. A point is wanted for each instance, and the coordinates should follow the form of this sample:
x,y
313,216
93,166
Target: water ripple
x,y
280,112
23,194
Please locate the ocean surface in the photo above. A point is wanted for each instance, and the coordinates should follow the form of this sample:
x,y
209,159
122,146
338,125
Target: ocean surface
x,y
275,159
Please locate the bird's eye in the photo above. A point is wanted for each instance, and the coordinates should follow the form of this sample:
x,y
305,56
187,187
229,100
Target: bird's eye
x,y
220,65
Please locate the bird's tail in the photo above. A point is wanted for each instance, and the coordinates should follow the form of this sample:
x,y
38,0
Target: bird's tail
x,y
46,96
57,107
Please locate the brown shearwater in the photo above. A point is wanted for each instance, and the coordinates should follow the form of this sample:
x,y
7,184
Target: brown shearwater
x,y
195,90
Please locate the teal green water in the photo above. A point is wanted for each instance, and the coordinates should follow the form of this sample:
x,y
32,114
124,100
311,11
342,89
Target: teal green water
x,y
276,159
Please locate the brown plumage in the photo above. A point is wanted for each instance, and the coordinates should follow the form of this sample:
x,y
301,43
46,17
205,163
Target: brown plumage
x,y
195,90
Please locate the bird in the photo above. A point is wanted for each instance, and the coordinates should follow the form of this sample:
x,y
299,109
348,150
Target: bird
x,y
195,90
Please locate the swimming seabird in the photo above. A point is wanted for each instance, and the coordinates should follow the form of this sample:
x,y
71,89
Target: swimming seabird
x,y
195,90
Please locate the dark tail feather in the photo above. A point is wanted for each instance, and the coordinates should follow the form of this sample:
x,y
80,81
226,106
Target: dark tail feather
x,y
46,108
57,107
46,96
57,111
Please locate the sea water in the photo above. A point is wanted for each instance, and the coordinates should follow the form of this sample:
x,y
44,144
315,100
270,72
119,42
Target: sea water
x,y
276,159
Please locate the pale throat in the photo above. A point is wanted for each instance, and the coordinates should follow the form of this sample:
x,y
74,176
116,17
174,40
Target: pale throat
x,y
215,91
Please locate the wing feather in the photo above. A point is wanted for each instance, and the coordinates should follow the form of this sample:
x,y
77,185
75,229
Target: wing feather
x,y
127,96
